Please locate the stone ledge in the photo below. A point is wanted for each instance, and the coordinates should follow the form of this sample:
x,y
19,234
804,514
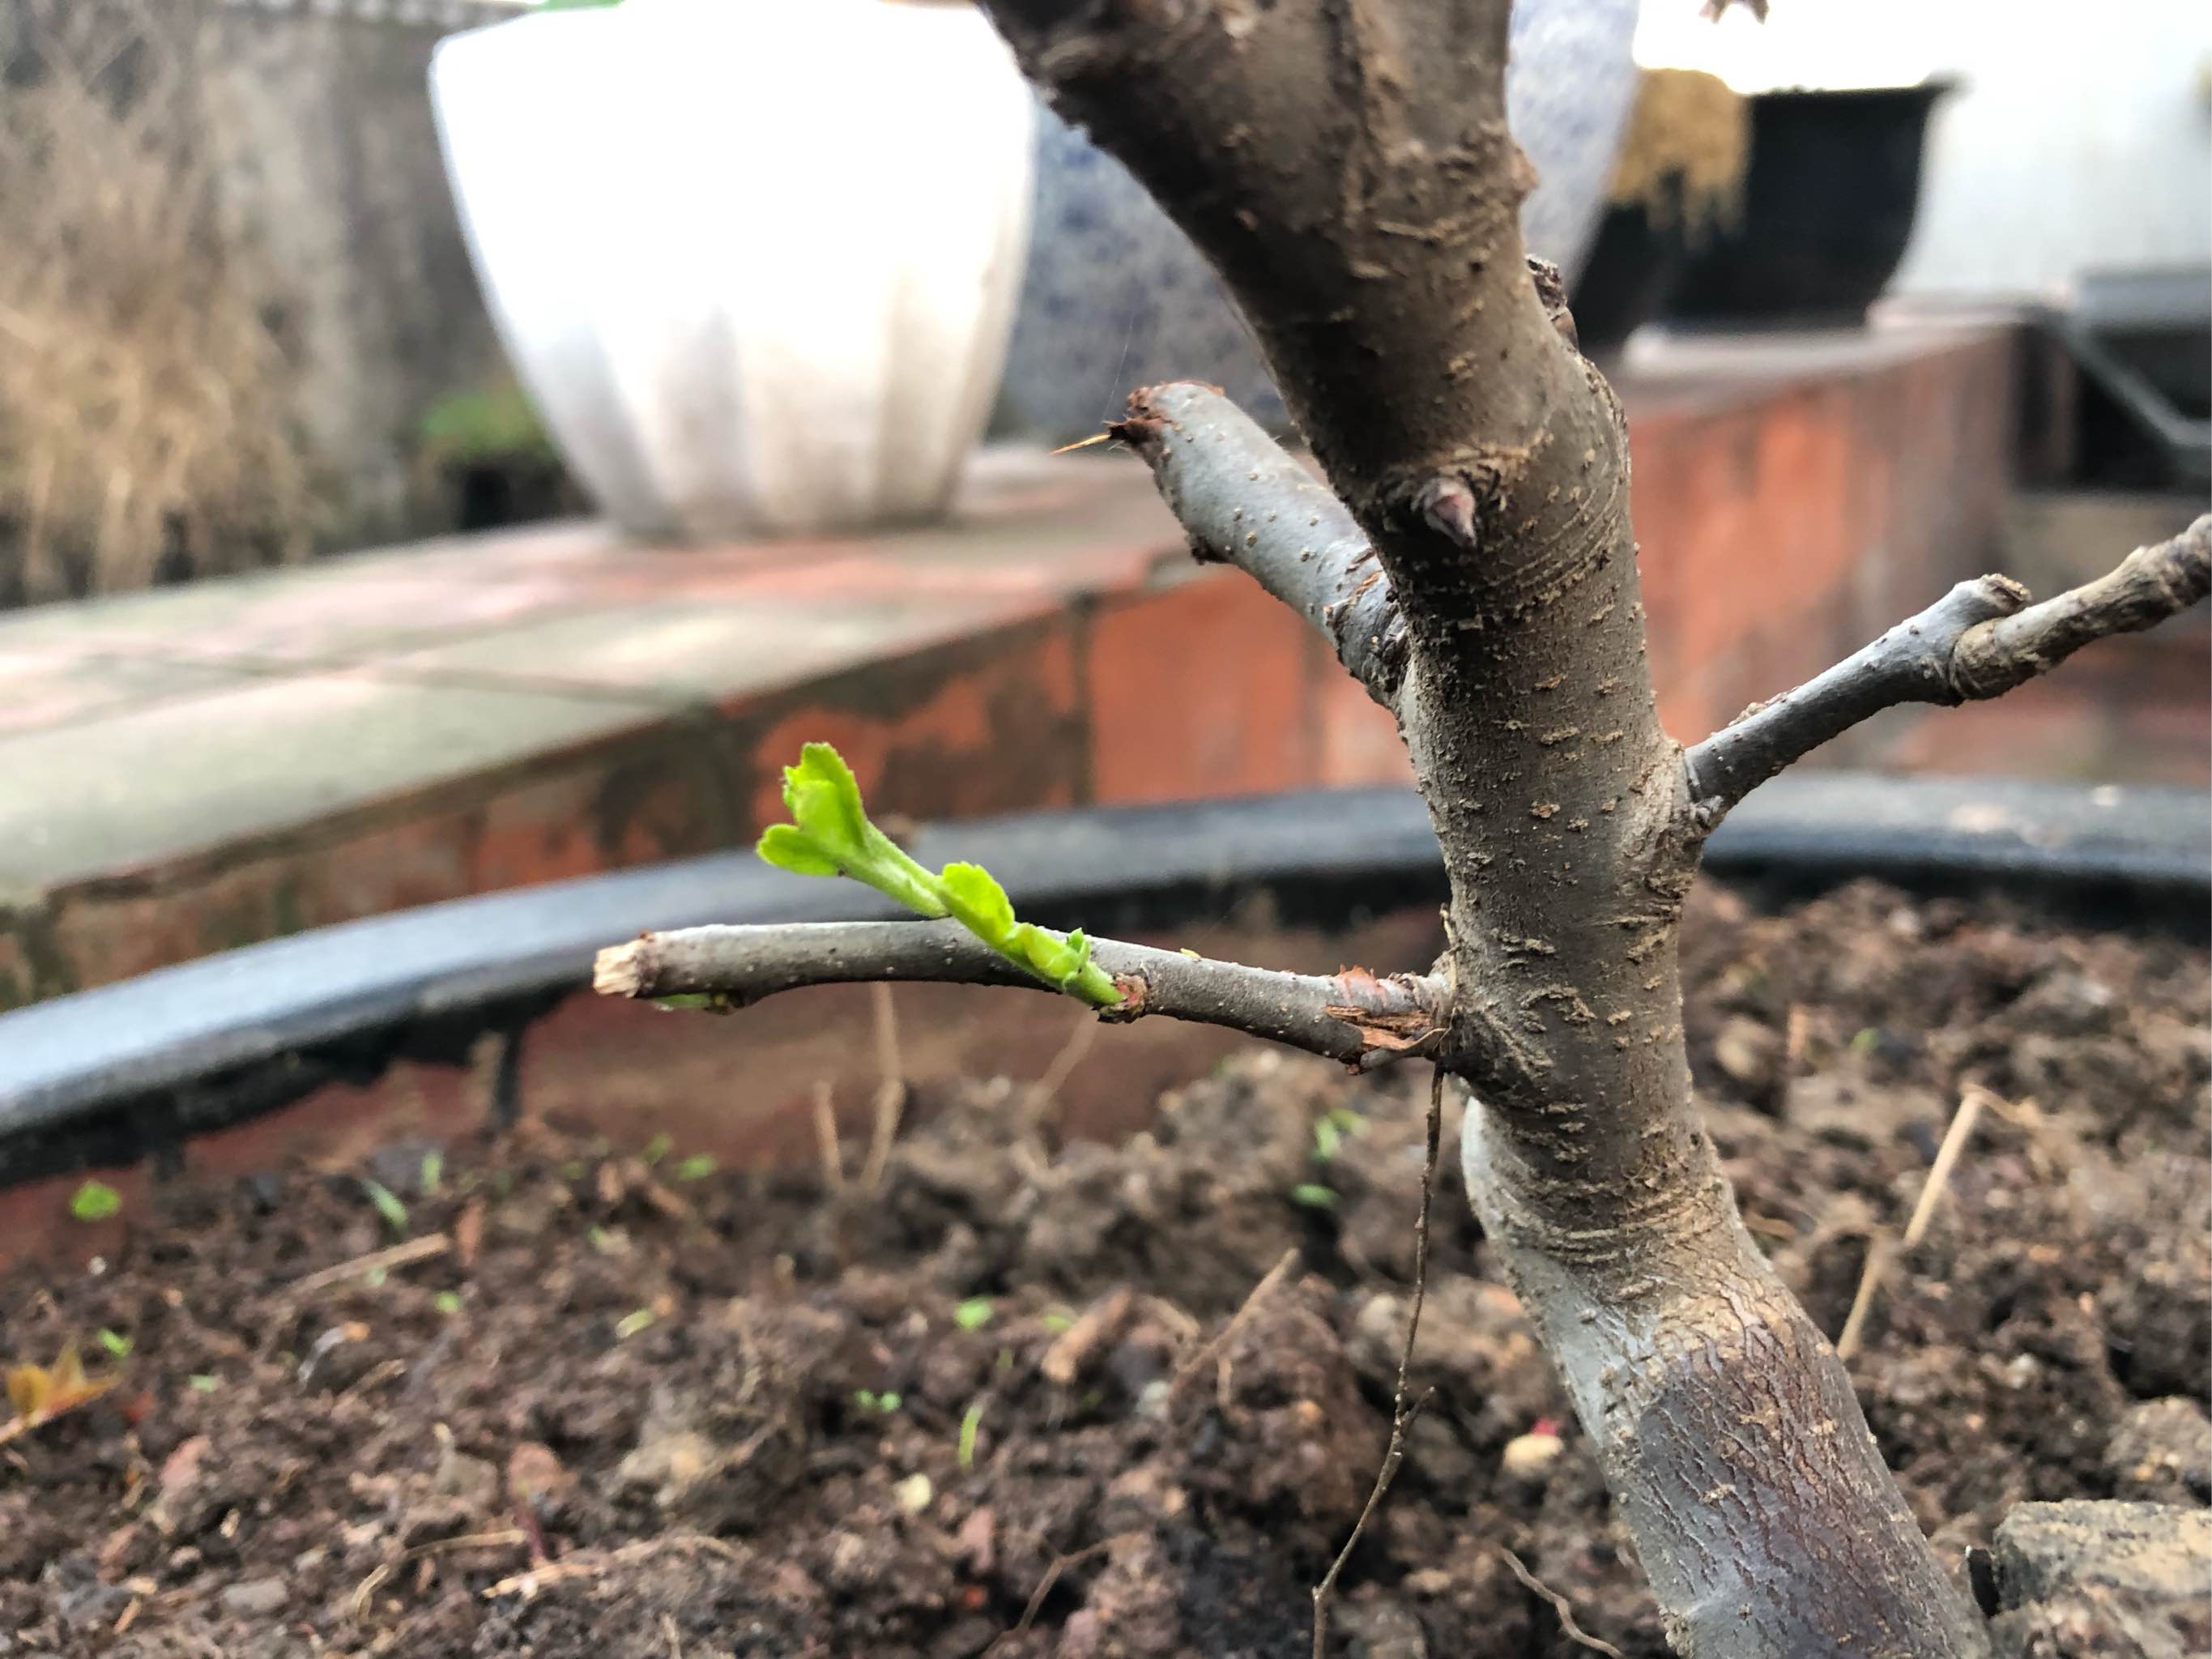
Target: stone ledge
x,y
209,765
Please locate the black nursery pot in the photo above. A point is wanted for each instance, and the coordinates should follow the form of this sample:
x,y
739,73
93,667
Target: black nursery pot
x,y
1633,269
1829,201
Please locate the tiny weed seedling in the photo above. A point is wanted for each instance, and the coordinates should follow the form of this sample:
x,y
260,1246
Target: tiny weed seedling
x,y
434,1172
96,1200
632,1323
869,1400
656,1149
117,1346
201,1382
1314,1197
697,1167
446,1302
973,1314
970,1425
830,835
387,1204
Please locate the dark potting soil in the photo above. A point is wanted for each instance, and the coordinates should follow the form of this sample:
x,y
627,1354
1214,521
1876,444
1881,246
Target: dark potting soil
x,y
1023,1399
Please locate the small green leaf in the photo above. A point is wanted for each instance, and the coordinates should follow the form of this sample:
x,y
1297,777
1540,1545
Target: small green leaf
x,y
697,1167
446,1302
434,1171
973,894
865,1398
1328,1141
1314,1197
786,847
889,1401
1864,1041
656,1149
968,1425
96,1200
373,1278
118,1346
638,1319
1057,1319
387,1204
1347,1120
973,1314
202,1384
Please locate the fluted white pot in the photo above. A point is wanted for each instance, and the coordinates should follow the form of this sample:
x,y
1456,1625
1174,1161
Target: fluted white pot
x,y
754,261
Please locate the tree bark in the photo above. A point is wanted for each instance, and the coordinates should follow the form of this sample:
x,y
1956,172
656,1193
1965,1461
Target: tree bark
x,y
1346,166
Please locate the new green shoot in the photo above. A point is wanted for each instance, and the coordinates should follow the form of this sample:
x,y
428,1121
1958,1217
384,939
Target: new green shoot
x,y
830,835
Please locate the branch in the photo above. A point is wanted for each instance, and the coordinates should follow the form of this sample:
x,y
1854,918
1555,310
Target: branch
x,y
1977,641
1352,1016
1246,502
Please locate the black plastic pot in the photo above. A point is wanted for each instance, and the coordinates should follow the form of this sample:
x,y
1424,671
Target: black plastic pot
x,y
130,1070
1829,201
1633,269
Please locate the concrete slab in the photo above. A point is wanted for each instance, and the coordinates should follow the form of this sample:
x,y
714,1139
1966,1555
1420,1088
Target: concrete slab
x,y
125,793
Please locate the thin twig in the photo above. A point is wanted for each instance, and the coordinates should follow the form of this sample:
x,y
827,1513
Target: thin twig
x,y
1403,1412
825,1138
1947,1158
891,1092
1880,1251
1046,1088
1567,1628
1191,1367
398,1255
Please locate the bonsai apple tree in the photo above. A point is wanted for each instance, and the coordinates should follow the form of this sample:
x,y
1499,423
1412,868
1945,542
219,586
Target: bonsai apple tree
x,y
1345,165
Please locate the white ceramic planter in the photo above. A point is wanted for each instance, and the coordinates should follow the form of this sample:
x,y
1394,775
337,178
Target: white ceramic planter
x,y
756,260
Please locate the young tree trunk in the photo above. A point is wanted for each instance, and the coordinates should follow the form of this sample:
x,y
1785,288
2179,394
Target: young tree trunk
x,y
1345,165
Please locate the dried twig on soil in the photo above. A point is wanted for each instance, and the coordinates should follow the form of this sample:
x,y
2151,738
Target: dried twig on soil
x,y
1403,1412
1260,1291
1075,1347
825,1138
1045,1091
1880,1251
424,1249
1567,1628
891,1090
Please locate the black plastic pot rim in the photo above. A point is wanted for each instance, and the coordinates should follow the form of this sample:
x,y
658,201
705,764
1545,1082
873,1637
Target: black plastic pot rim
x,y
117,1073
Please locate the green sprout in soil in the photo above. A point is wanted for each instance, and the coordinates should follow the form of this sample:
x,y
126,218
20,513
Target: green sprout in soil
x,y
446,1302
631,1323
869,1400
973,1314
1314,1197
96,1200
1057,1319
830,835
434,1172
201,1382
387,1204
697,1167
968,1425
117,1346
656,1149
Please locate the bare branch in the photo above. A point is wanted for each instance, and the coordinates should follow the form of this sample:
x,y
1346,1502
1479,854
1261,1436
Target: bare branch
x,y
1246,501
1977,641
1352,1016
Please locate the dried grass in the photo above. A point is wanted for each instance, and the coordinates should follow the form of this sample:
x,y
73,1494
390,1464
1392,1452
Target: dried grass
x,y
146,421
